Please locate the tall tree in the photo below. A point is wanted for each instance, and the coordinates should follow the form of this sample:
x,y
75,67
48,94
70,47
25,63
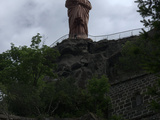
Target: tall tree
x,y
22,71
99,101
146,49
27,64
150,11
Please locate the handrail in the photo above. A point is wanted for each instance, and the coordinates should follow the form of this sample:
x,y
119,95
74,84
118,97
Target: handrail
x,y
114,36
118,32
59,40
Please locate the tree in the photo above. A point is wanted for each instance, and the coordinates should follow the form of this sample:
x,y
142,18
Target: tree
x,y
72,101
27,65
22,71
150,11
146,49
99,101
67,96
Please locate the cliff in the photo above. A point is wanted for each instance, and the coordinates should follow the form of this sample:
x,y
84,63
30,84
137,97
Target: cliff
x,y
82,59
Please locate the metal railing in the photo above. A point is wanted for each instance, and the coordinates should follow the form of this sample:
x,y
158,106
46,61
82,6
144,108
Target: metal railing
x,y
114,36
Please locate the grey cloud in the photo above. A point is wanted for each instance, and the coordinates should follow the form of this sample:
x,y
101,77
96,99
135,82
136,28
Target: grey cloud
x,y
22,19
114,17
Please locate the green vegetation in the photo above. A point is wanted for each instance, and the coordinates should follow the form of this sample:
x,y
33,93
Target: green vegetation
x,y
144,53
75,102
154,92
150,11
26,92
99,102
22,72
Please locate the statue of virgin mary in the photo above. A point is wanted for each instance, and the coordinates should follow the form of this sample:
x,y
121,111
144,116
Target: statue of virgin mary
x,y
78,13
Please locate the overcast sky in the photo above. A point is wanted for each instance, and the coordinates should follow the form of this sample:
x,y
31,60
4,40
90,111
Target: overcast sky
x,y
22,19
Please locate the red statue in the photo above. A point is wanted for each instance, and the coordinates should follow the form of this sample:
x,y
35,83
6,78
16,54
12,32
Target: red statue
x,y
78,13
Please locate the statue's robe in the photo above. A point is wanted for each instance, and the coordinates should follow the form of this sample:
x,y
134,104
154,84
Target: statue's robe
x,y
78,13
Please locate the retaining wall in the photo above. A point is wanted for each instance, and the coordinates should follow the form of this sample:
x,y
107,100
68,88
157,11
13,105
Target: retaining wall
x,y
129,97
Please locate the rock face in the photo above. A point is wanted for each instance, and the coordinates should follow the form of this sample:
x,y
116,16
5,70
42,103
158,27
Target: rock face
x,y
82,59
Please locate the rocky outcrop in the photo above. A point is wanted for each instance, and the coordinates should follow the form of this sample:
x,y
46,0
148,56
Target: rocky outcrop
x,y
82,59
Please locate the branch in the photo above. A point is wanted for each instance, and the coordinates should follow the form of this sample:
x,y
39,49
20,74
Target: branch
x,y
55,108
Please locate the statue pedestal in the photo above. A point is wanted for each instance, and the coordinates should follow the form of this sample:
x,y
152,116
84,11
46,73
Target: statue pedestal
x,y
78,37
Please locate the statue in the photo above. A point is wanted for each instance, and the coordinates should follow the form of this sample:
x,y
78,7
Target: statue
x,y
78,13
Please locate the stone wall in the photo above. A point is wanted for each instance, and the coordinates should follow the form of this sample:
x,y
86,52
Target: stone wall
x,y
129,97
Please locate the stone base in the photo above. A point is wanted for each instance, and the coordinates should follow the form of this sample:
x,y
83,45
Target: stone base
x,y
78,36
82,58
